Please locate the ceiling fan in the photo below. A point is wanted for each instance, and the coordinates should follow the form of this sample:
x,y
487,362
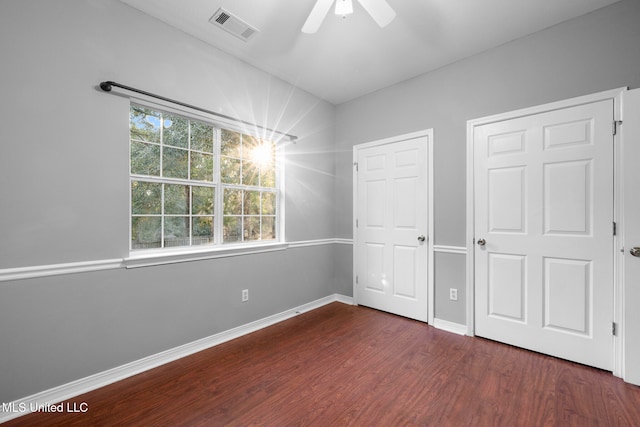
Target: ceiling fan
x,y
379,10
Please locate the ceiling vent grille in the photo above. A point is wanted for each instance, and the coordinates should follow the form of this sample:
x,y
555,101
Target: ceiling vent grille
x,y
233,25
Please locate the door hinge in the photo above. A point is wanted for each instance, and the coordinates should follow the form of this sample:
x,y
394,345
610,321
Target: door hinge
x,y
356,165
356,222
615,228
614,328
616,124
356,280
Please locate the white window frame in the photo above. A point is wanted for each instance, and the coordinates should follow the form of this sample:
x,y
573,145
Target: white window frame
x,y
168,255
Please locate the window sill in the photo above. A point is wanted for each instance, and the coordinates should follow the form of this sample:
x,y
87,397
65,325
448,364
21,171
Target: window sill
x,y
147,258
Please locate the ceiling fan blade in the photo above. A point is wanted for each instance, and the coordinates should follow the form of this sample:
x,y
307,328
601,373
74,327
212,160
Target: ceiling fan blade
x,y
379,10
317,15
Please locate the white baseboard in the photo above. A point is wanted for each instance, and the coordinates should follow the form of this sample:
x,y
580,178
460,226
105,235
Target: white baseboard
x,y
445,325
343,299
84,385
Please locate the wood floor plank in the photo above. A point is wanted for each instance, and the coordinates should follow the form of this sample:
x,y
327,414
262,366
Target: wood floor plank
x,y
342,365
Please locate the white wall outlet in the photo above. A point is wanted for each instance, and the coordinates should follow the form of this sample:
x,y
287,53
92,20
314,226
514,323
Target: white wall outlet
x,y
245,295
453,294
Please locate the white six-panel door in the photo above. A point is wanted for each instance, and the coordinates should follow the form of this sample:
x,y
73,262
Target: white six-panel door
x,y
543,206
391,234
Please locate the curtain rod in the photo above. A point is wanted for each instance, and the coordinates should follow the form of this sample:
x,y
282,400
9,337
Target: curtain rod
x,y
108,85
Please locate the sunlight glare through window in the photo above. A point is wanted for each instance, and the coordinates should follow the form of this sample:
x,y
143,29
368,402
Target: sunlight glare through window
x,y
261,155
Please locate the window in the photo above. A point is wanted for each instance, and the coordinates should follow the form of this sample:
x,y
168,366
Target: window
x,y
195,184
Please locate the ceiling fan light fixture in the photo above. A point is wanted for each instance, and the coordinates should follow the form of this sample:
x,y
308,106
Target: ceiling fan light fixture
x,y
379,10
344,8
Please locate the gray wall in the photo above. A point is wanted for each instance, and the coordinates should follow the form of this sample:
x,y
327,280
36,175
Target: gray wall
x,y
592,53
64,193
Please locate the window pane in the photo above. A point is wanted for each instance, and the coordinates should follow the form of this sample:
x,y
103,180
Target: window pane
x,y
146,198
262,157
252,203
145,159
230,170
202,230
201,166
176,231
145,232
176,199
249,144
268,227
201,137
268,203
250,173
175,131
232,229
268,176
202,200
174,163
144,124
232,201
252,228
230,143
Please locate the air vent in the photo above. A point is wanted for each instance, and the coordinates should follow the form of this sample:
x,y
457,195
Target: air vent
x,y
233,25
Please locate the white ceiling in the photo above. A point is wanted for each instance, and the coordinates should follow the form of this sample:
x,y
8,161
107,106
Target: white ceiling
x,y
351,57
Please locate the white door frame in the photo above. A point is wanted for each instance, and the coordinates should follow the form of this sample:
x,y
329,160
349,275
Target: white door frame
x,y
618,315
630,234
428,133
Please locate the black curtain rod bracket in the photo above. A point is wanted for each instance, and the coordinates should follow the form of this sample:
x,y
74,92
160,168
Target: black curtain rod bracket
x,y
108,85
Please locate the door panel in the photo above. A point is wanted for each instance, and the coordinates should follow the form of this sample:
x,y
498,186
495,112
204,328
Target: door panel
x,y
567,284
507,286
404,271
567,197
506,200
391,212
544,206
375,194
374,263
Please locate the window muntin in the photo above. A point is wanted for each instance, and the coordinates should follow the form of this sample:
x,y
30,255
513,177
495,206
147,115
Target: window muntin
x,y
177,197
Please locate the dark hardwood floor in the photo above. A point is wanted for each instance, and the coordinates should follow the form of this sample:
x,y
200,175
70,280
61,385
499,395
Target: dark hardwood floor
x,y
342,365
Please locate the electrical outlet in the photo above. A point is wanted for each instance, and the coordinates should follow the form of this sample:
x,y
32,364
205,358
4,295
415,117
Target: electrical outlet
x,y
245,295
453,294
